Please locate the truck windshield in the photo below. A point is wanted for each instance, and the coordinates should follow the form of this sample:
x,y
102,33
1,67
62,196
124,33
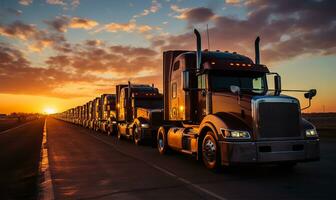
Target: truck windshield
x,y
149,103
255,83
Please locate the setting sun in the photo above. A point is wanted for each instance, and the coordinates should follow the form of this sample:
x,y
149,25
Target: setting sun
x,y
49,111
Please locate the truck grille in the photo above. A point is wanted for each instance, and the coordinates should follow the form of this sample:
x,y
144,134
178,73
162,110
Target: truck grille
x,y
278,119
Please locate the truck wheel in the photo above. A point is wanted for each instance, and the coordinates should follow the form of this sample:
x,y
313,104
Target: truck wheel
x,y
210,152
119,134
162,143
137,135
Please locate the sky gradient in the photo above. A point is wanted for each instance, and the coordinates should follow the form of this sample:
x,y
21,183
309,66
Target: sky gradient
x,y
62,53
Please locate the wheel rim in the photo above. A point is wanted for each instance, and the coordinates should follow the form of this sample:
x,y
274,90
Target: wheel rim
x,y
136,134
209,151
160,142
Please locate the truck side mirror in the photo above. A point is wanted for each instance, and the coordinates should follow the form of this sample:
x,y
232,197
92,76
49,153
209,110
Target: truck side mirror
x,y
235,89
310,94
277,85
185,81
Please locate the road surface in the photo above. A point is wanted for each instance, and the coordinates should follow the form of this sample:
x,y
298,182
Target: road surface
x,y
19,155
89,165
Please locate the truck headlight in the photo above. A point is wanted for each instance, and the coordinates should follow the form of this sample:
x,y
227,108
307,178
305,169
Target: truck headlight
x,y
145,125
311,133
235,134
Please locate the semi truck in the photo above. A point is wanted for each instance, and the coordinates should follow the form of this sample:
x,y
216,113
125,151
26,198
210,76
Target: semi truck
x,y
88,114
139,112
219,108
96,107
107,114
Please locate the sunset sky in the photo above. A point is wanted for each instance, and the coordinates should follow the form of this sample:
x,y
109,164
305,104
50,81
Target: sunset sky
x,y
58,54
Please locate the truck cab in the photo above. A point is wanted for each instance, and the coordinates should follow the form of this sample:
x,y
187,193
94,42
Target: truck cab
x,y
139,112
218,107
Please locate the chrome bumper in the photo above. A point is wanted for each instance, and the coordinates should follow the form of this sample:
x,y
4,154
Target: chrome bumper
x,y
269,152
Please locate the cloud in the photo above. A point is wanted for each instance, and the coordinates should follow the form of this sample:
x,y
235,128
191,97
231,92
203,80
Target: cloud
x,y
19,30
83,23
17,76
56,2
193,15
115,27
287,28
155,7
130,26
132,51
25,2
144,28
233,1
35,38
196,15
73,3
62,23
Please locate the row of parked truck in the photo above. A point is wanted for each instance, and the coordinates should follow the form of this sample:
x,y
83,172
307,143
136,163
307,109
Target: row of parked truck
x,y
216,106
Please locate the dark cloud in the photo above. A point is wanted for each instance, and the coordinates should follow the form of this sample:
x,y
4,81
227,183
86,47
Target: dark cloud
x,y
197,15
287,29
132,51
60,23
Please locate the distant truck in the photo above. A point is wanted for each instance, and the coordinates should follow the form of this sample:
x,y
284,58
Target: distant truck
x,y
96,107
139,112
218,107
107,114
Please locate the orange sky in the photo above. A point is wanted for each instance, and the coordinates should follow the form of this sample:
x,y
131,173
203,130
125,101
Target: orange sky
x,y
60,54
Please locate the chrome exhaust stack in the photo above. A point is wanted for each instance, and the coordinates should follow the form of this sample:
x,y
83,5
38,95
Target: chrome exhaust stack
x,y
257,51
199,50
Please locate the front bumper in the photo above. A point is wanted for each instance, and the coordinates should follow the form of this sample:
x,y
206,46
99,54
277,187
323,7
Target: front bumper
x,y
269,151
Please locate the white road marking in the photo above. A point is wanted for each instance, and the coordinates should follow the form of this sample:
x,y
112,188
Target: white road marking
x,y
171,174
46,185
8,130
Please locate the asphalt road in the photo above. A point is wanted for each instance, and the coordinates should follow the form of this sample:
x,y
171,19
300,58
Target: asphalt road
x,y
89,165
19,160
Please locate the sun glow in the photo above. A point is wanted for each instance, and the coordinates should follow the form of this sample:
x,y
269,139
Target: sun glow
x,y
49,111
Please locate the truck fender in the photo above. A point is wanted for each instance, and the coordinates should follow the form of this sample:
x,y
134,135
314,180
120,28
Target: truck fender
x,y
140,121
212,122
305,124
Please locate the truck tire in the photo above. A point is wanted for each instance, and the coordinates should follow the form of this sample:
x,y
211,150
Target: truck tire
x,y
119,136
210,152
137,135
162,142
